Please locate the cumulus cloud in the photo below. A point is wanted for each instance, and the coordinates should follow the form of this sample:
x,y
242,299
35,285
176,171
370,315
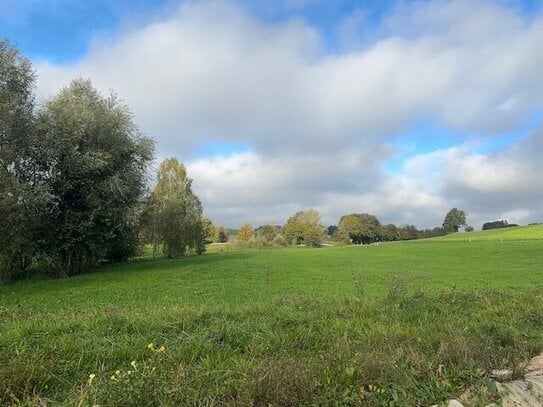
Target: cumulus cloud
x,y
321,123
502,185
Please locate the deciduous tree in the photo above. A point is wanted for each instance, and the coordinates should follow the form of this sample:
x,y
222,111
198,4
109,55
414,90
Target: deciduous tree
x,y
22,194
96,162
221,234
360,228
245,233
177,210
453,220
304,227
268,232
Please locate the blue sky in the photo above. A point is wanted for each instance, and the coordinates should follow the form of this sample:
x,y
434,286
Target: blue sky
x,y
398,108
61,30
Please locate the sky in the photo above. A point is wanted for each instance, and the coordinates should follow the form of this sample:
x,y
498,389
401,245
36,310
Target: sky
x,y
401,109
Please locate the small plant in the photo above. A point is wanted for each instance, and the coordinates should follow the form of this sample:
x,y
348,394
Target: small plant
x,y
126,386
397,289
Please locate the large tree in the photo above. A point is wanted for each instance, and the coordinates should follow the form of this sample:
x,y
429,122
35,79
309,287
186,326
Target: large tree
x,y
22,191
246,232
359,228
304,227
96,165
177,211
453,220
268,232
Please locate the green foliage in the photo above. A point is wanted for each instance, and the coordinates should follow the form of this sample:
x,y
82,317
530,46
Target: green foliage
x,y
497,224
268,232
209,230
246,233
304,227
96,176
176,212
281,327
359,228
453,220
72,174
22,193
221,234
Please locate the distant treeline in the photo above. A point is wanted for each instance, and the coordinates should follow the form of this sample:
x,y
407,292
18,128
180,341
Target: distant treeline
x,y
497,224
305,228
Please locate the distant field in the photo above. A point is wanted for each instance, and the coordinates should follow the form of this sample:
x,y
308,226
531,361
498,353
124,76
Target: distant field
x,y
534,232
418,321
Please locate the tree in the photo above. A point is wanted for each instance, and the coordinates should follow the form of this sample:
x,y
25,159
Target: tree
x,y
453,220
221,234
268,232
359,228
178,211
437,231
245,233
409,232
497,224
390,233
304,227
96,161
209,230
22,193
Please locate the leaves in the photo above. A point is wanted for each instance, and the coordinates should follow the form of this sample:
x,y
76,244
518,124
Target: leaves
x,y
175,212
453,220
304,227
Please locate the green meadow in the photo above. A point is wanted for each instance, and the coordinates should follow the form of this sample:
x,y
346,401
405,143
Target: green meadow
x,y
532,232
395,324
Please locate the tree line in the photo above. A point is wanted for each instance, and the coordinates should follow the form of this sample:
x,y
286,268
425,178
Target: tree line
x,y
74,180
305,228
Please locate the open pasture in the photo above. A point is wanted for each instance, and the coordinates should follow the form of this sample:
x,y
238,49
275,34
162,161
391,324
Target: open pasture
x,y
532,232
408,323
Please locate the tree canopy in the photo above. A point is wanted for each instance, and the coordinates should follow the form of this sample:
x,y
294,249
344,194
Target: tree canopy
x,y
176,212
453,220
360,228
97,161
72,174
304,227
246,232
268,232
22,195
497,224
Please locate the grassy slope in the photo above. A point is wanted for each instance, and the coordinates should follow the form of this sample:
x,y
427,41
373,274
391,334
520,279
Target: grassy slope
x,y
284,326
533,232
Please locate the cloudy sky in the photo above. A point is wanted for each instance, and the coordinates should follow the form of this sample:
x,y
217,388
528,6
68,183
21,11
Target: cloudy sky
x,y
402,109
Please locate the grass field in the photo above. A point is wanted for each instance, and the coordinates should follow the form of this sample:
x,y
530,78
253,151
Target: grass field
x,y
533,232
394,324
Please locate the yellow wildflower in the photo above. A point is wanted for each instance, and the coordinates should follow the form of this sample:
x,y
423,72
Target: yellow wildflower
x,y
362,392
151,346
91,377
162,349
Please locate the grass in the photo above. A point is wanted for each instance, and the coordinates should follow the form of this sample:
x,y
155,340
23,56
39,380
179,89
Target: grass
x,y
532,232
395,324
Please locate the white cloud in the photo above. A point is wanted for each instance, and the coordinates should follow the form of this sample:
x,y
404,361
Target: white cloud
x,y
320,123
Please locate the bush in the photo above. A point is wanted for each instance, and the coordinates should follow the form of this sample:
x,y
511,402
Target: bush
x,y
279,241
